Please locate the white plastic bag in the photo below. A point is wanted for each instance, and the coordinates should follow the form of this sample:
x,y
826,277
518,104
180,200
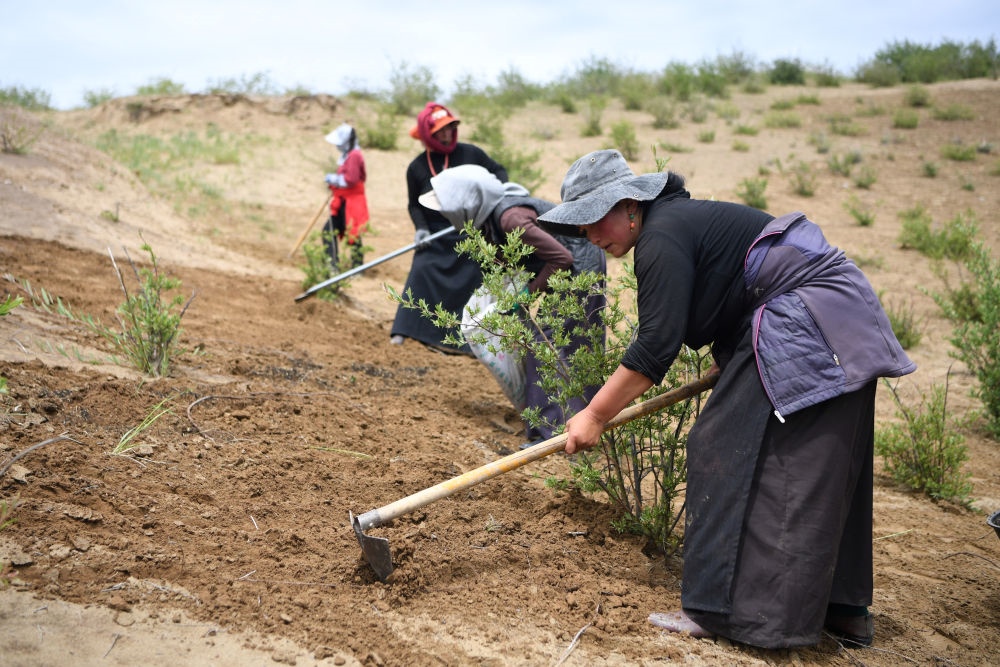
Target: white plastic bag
x,y
507,369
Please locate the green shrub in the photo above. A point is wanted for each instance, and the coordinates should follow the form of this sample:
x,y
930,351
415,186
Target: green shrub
x,y
782,120
820,141
383,134
706,137
318,268
19,130
8,304
150,322
411,89
958,152
865,177
623,138
522,167
30,99
95,98
664,112
784,72
160,86
917,96
845,127
925,452
974,310
255,84
905,119
639,466
929,169
841,165
727,111
878,74
953,112
904,324
751,191
696,109
741,146
953,241
747,130
826,77
678,81
803,179
862,214
592,117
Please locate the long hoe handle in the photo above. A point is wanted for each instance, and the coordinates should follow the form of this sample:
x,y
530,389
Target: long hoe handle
x,y
305,232
377,517
375,262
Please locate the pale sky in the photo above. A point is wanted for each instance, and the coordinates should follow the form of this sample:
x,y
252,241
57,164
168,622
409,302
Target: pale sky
x,y
68,47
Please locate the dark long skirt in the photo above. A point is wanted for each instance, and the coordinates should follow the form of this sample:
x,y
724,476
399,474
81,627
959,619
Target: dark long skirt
x,y
804,532
438,275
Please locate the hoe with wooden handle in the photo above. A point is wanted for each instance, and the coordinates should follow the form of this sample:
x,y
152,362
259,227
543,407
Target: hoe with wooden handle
x,y
376,549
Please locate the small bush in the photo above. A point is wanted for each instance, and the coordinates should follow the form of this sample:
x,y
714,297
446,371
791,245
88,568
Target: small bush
x,y
751,191
95,98
862,214
958,152
592,117
826,77
865,177
841,165
384,133
741,146
318,269
820,141
803,179
706,137
917,96
160,86
623,138
150,322
953,241
787,72
905,119
30,99
664,112
929,169
845,127
747,130
411,89
974,310
953,112
254,84
904,324
19,130
782,120
925,452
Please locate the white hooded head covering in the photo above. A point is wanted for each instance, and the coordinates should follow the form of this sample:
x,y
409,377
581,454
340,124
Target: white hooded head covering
x,y
468,192
345,139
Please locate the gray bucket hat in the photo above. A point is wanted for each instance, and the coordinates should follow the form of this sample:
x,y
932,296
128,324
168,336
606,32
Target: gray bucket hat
x,y
598,181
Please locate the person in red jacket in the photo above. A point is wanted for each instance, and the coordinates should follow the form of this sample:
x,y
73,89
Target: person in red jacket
x,y
348,203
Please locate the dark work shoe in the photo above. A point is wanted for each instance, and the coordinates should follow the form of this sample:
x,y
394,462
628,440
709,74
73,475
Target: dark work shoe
x,y
528,445
852,631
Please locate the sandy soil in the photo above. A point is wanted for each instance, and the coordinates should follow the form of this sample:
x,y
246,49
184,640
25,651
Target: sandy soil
x,y
226,539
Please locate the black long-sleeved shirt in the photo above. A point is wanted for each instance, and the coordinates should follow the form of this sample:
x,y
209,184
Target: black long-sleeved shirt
x,y
689,271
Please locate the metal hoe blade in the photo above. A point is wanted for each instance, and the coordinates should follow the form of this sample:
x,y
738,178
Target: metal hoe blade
x,y
375,549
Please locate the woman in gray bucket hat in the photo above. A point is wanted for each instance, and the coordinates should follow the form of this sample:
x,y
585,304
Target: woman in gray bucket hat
x,y
777,543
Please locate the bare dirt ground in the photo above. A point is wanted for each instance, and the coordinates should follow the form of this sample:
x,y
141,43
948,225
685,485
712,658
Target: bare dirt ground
x,y
226,540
